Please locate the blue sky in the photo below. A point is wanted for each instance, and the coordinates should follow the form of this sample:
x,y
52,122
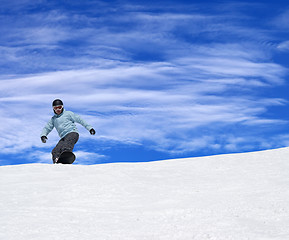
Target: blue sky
x,y
156,79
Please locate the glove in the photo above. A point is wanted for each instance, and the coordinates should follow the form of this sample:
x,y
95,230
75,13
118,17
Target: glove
x,y
43,139
92,131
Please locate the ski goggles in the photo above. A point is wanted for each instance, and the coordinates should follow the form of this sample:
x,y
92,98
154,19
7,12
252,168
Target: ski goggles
x,y
59,107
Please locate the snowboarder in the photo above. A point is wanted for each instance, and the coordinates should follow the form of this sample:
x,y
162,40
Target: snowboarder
x,y
64,122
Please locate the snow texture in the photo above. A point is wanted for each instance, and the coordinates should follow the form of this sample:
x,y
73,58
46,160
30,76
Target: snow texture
x,y
235,196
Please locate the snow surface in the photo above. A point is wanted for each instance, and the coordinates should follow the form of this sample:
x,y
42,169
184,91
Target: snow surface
x,y
237,196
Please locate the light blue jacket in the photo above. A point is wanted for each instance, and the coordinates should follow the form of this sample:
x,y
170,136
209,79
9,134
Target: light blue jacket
x,y
64,124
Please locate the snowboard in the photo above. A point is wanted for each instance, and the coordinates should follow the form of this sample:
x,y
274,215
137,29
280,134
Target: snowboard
x,y
66,158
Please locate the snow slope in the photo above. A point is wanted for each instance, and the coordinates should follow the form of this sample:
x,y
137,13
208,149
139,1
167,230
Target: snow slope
x,y
238,196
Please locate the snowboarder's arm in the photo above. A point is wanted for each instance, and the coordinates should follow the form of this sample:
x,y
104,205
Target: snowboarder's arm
x,y
78,119
48,128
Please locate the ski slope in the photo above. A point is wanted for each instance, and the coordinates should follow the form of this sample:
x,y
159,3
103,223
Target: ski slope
x,y
237,196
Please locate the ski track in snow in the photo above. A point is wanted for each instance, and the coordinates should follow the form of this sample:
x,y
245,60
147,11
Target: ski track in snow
x,y
235,196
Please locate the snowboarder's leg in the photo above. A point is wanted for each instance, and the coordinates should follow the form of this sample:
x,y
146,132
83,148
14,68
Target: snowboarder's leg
x,y
56,152
69,141
65,144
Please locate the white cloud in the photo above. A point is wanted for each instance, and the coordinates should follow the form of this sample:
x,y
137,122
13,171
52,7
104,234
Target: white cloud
x,y
281,21
89,157
283,46
135,103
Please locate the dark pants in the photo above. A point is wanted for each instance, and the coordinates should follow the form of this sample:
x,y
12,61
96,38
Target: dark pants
x,y
65,144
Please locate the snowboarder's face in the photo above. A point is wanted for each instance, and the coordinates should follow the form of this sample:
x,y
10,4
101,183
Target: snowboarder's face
x,y
58,109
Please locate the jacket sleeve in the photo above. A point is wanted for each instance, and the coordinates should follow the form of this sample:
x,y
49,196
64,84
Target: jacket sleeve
x,y
48,128
78,119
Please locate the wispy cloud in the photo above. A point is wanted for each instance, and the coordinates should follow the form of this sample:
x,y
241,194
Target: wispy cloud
x,y
280,21
89,157
284,46
137,103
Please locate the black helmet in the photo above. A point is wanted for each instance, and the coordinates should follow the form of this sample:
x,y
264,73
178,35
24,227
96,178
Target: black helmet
x,y
57,102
